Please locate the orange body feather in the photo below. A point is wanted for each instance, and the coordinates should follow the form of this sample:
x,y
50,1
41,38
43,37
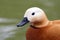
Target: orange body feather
x,y
50,32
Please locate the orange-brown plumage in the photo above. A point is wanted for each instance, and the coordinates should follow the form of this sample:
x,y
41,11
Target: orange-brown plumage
x,y
50,32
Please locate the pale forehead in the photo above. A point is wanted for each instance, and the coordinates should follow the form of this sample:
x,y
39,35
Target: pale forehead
x,y
34,9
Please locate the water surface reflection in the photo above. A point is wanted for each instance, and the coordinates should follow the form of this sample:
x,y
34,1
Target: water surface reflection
x,y
7,31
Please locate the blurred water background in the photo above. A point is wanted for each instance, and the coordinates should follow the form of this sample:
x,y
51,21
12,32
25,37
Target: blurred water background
x,y
12,11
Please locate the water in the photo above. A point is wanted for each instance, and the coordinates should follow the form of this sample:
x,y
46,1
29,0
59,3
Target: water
x,y
7,20
7,31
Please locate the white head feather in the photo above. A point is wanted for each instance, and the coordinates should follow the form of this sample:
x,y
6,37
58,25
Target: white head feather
x,y
38,14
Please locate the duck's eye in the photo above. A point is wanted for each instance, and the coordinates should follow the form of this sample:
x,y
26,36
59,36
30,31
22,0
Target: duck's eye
x,y
33,13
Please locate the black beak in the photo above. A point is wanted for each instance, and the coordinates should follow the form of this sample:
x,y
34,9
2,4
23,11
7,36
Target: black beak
x,y
24,21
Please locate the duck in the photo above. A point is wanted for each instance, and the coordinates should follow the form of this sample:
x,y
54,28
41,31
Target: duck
x,y
40,28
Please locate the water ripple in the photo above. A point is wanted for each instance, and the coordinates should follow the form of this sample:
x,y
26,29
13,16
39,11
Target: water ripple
x,y
7,31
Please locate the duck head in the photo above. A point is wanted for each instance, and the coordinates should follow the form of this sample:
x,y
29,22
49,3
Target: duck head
x,y
35,16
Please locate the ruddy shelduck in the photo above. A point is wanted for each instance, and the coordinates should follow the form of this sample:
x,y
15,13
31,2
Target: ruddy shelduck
x,y
40,27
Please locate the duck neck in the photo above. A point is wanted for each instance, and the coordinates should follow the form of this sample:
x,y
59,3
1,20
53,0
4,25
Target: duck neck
x,y
40,24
